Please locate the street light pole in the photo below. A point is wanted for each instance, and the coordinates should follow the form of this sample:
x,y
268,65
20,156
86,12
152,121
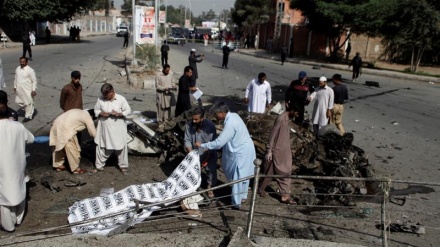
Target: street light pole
x,y
189,12
133,26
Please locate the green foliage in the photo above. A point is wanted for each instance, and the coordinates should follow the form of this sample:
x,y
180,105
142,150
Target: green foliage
x,y
40,10
150,55
251,12
412,28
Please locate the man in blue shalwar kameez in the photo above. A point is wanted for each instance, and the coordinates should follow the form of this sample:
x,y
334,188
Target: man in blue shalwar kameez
x,y
238,151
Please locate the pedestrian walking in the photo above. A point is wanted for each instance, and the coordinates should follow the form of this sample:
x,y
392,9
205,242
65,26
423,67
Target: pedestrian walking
x,y
322,109
25,86
165,98
356,62
111,134
71,94
283,54
32,36
14,137
278,159
48,34
238,151
27,46
126,35
258,94
341,95
226,52
164,50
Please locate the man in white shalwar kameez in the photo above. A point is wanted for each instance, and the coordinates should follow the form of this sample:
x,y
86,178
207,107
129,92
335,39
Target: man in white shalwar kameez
x,y
258,94
2,78
25,86
322,109
238,151
111,134
13,136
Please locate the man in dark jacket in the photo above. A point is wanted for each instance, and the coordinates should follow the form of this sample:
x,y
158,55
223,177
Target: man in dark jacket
x,y
186,86
226,52
27,45
356,62
296,96
164,49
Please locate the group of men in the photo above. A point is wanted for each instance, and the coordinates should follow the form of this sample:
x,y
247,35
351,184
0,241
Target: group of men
x,y
110,136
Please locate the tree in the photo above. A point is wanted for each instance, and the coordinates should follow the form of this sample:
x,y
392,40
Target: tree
x,y
412,28
341,18
47,10
251,12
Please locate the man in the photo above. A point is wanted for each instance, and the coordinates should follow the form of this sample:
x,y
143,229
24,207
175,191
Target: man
x,y
283,54
186,86
12,115
111,134
238,151
203,130
322,109
125,45
341,95
164,97
356,62
296,96
226,52
25,86
48,33
193,59
27,46
71,94
279,157
164,49
258,94
63,139
14,137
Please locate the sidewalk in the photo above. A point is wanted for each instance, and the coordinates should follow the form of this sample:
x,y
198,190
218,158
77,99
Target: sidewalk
x,y
383,72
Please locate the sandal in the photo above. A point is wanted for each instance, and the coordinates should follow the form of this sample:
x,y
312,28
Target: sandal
x,y
211,194
288,201
124,171
263,194
60,168
98,170
79,171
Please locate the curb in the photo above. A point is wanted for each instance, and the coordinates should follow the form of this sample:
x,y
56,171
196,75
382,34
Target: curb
x,y
387,73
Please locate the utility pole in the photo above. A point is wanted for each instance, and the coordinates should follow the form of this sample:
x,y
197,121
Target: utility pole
x,y
133,26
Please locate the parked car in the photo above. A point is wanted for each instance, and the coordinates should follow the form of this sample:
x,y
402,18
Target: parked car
x,y
120,31
176,39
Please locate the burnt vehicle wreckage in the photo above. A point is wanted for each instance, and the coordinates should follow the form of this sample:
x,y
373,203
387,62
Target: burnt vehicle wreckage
x,y
328,155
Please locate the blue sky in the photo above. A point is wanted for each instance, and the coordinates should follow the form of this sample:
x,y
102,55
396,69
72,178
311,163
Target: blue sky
x,y
197,6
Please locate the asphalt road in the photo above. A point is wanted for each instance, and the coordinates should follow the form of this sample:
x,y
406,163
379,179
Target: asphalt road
x,y
396,124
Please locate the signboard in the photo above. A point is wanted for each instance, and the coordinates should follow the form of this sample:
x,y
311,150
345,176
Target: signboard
x,y
145,25
162,16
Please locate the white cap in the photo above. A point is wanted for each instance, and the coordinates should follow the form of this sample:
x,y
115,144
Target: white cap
x,y
193,49
322,78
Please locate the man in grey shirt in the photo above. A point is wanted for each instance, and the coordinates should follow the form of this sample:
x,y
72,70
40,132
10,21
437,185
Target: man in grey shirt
x,y
203,130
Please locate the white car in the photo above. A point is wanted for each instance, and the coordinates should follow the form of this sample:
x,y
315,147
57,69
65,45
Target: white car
x,y
120,31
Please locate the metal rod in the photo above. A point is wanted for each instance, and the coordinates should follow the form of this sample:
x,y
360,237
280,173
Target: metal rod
x,y
257,163
383,216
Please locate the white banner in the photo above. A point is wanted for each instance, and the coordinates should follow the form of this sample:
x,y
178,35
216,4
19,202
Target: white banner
x,y
145,25
162,16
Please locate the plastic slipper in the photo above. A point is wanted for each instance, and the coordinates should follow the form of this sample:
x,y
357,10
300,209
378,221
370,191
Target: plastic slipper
x,y
60,168
79,171
97,170
263,194
124,171
288,201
